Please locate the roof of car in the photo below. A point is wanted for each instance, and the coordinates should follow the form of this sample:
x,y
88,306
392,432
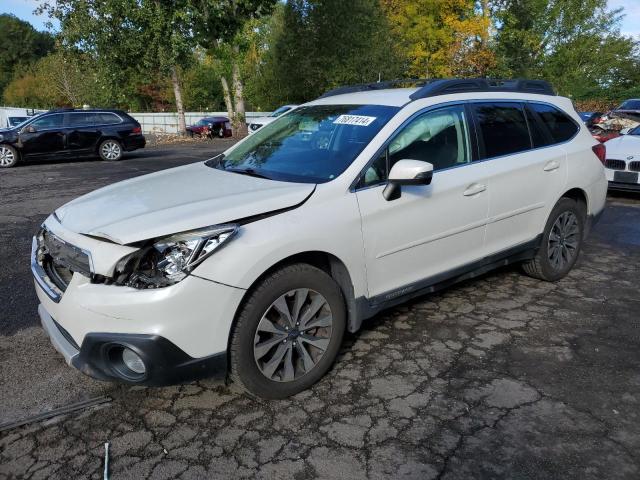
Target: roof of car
x,y
398,97
395,97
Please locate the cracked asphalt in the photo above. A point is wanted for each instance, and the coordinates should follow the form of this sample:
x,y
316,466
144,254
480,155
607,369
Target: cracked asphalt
x,y
503,376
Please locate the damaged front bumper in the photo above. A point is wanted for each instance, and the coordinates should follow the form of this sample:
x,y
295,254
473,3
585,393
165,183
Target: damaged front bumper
x,y
179,332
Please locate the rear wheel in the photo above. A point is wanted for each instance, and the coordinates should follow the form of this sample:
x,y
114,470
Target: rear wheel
x,y
288,332
8,156
110,150
561,242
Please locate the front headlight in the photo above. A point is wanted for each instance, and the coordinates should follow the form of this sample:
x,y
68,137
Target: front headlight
x,y
170,259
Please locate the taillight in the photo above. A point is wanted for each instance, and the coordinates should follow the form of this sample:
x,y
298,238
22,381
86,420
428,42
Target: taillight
x,y
601,152
136,131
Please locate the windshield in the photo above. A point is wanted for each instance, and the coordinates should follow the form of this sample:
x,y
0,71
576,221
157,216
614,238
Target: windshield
x,y
312,144
279,111
630,105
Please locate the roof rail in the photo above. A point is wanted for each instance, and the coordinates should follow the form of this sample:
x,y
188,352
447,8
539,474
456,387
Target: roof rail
x,y
433,87
363,87
464,85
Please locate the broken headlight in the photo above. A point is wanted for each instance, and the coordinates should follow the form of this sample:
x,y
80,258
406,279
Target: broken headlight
x,y
170,259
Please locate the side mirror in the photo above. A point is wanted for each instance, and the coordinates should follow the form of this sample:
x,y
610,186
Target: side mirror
x,y
30,129
407,172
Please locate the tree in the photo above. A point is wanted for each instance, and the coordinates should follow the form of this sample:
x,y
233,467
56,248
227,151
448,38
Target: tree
x,y
315,45
575,43
61,79
441,38
218,25
131,37
22,45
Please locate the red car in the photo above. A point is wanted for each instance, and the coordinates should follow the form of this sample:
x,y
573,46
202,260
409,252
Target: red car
x,y
211,127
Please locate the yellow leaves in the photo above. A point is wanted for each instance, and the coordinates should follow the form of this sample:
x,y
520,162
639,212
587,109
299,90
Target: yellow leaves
x,y
441,38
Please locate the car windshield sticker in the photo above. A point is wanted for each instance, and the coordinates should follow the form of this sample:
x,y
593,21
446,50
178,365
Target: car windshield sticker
x,y
359,120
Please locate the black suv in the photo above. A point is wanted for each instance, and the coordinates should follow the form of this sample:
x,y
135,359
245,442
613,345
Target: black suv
x,y
70,133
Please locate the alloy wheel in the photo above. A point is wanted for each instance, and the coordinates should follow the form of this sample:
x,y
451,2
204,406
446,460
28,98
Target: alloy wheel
x,y
7,157
563,241
110,150
293,335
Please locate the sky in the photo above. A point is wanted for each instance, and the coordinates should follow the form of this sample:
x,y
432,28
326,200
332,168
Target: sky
x,y
24,9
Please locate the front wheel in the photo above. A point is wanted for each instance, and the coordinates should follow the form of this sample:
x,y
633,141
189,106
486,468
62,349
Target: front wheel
x,y
8,156
110,150
561,242
288,332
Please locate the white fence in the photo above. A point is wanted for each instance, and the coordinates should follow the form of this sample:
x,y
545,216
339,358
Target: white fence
x,y
164,122
6,112
167,122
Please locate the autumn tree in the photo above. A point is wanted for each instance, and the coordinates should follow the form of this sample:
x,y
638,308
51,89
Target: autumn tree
x,y
441,38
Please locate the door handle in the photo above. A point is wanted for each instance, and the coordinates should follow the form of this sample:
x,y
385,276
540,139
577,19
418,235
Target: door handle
x,y
551,166
474,189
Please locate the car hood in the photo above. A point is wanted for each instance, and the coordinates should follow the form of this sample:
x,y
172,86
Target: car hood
x,y
176,200
624,146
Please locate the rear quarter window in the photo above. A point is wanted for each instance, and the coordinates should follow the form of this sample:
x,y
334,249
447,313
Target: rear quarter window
x,y
560,126
107,118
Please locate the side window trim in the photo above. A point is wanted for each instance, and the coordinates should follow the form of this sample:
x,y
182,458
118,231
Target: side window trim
x,y
541,126
384,148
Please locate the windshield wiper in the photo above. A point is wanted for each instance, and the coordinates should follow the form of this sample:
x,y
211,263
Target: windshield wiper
x,y
247,171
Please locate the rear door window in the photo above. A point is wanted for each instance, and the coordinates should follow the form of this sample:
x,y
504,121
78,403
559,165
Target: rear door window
x,y
502,128
82,119
560,125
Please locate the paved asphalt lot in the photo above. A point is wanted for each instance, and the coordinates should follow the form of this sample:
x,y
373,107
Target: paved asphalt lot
x,y
500,377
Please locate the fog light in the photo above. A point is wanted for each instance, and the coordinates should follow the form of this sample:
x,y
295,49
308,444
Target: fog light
x,y
133,361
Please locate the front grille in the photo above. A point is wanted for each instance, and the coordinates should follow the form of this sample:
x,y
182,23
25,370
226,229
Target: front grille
x,y
54,261
66,256
634,166
616,164
59,275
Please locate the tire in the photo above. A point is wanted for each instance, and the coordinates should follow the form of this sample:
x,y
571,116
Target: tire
x,y
561,242
8,156
267,353
110,150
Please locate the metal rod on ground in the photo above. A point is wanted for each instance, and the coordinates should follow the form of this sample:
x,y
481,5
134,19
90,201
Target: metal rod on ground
x,y
106,461
55,412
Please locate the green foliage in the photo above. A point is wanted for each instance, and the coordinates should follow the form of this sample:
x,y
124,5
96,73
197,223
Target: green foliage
x,y
202,89
576,44
121,52
21,46
315,45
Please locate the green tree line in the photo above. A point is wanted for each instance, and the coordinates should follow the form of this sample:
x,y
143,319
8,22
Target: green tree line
x,y
237,54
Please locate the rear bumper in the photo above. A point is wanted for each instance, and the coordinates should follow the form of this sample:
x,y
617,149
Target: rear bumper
x,y
134,142
624,187
98,357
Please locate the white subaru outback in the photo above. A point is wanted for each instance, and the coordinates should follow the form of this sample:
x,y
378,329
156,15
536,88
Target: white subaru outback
x,y
254,263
